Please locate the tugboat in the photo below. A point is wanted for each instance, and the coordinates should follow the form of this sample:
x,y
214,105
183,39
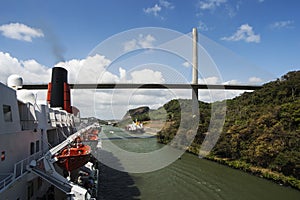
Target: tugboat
x,y
135,127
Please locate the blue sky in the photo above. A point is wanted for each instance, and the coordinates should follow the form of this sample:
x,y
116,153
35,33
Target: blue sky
x,y
262,36
78,26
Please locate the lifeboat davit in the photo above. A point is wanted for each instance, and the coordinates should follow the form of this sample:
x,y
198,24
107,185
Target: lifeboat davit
x,y
74,156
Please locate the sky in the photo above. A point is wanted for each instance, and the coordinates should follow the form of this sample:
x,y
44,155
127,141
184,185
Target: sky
x,y
114,41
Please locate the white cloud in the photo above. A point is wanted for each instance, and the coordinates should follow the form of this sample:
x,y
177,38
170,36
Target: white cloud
x,y
141,42
147,41
31,71
130,45
140,76
108,104
212,95
186,64
231,10
89,70
255,80
245,33
209,80
213,80
166,4
218,95
226,7
123,76
92,69
146,76
158,7
202,26
122,100
211,4
19,31
282,24
231,82
153,10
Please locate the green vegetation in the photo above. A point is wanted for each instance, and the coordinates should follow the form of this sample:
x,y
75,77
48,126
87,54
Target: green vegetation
x,y
261,133
181,125
140,114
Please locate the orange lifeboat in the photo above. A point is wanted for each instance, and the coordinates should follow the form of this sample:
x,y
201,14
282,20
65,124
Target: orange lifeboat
x,y
95,131
74,156
91,138
91,135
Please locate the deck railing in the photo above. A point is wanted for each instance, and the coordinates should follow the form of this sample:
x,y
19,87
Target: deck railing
x,y
5,182
19,170
20,167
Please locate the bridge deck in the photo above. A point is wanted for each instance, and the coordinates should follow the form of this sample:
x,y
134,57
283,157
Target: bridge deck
x,y
148,86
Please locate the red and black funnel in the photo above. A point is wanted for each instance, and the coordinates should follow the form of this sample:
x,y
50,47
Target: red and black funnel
x,y
59,90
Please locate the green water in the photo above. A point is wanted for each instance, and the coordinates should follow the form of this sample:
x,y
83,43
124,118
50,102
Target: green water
x,y
186,178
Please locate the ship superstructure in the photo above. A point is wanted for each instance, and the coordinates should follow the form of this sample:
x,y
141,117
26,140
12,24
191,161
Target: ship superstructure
x,y
32,136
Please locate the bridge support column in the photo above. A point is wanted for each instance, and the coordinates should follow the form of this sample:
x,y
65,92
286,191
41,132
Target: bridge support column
x,y
195,63
195,72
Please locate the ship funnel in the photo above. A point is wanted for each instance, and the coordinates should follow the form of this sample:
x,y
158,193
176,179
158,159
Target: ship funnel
x,y
59,90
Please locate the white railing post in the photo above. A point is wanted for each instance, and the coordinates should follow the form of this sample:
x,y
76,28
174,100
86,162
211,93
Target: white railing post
x,y
21,168
15,170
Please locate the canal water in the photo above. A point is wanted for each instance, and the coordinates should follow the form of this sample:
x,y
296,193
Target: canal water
x,y
187,178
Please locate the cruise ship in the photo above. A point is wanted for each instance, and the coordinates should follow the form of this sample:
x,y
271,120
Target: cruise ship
x,y
40,145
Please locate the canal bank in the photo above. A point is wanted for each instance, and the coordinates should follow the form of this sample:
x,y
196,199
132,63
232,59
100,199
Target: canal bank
x,y
258,171
268,174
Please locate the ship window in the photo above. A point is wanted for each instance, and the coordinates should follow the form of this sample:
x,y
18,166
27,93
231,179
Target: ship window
x,y
31,148
7,113
2,155
37,146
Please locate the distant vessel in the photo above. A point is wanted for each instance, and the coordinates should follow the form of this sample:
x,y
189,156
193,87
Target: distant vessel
x,y
135,127
35,137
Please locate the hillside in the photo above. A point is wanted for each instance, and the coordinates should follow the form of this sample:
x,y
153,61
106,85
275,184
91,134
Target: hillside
x,y
140,114
261,133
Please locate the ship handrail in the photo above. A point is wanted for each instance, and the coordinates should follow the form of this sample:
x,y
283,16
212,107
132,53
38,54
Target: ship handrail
x,y
61,131
20,168
49,145
5,182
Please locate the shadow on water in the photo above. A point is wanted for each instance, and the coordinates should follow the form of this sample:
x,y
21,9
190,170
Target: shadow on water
x,y
115,184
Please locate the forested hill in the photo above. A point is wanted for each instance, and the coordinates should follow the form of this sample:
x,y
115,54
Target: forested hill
x,y
262,128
